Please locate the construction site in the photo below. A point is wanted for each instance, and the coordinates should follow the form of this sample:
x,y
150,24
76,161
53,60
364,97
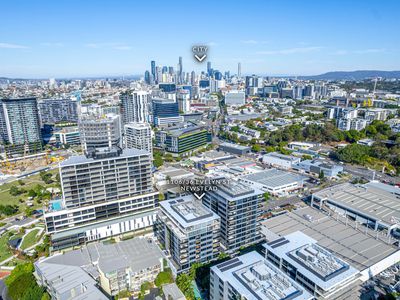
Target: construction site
x,y
15,166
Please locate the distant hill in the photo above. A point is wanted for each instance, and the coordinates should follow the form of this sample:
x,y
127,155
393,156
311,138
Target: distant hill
x,y
353,75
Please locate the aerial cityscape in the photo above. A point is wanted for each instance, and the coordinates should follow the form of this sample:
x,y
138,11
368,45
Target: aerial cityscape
x,y
200,151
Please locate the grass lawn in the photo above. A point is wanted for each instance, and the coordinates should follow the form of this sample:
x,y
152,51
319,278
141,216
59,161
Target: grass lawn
x,y
5,252
15,262
30,239
30,182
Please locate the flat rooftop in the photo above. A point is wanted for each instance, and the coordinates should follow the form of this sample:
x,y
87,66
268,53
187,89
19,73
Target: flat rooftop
x,y
234,191
281,156
375,200
316,263
136,253
188,211
274,178
82,159
235,146
344,241
256,279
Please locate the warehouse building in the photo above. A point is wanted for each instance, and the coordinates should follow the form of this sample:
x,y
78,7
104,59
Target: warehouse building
x,y
234,148
315,268
280,160
250,276
360,247
315,167
276,182
375,205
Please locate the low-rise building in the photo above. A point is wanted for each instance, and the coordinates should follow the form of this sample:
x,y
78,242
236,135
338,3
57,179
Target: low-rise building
x,y
68,136
114,267
280,160
276,182
361,247
376,205
234,148
250,276
315,268
315,167
67,282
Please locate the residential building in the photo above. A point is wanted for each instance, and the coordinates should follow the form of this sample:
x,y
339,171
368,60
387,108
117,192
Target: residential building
x,y
105,194
20,125
373,114
138,136
67,282
250,276
53,111
188,230
100,132
239,208
346,124
134,106
112,267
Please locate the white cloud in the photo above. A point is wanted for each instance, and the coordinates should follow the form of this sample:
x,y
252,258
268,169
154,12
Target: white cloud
x,y
362,51
50,44
366,51
290,51
12,46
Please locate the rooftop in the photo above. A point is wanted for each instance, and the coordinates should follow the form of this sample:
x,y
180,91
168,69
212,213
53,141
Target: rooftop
x,y
375,200
82,159
256,278
344,241
65,279
274,178
137,254
316,263
282,156
188,211
236,146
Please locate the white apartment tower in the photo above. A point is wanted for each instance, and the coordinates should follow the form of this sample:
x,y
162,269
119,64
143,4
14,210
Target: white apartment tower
x,y
138,136
134,106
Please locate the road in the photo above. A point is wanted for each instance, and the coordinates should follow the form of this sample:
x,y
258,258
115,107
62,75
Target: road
x,y
3,290
362,172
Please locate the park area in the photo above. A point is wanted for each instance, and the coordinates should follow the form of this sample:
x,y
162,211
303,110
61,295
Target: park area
x,y
15,196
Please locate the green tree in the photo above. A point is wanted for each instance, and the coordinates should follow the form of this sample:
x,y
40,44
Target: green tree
x,y
14,191
164,278
266,196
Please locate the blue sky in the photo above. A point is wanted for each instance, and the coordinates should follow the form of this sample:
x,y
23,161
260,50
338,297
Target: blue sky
x,y
41,39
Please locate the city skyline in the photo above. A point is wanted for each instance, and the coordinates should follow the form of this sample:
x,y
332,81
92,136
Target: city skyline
x,y
120,39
